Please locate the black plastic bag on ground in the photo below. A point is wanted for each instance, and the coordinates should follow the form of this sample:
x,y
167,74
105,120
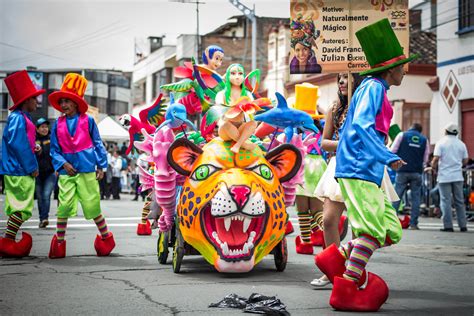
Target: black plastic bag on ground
x,y
231,301
256,304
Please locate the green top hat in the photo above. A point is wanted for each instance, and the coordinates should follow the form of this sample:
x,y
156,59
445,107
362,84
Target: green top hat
x,y
381,47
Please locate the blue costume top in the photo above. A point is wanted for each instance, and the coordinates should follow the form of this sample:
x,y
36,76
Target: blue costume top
x,y
361,152
17,157
83,161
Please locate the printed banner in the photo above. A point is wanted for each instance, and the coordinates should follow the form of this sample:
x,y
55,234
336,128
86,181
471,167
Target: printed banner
x,y
323,32
37,79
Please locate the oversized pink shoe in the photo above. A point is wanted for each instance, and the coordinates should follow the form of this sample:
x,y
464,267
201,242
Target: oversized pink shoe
x,y
104,246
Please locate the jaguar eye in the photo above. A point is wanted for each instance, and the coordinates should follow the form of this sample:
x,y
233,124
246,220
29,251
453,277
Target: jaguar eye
x,y
203,172
264,171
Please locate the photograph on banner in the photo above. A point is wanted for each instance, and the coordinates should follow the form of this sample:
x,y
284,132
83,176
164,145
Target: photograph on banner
x,y
37,79
323,32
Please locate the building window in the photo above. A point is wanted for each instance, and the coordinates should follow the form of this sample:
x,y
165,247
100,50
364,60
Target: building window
x,y
139,92
119,81
100,77
3,101
160,78
416,113
466,16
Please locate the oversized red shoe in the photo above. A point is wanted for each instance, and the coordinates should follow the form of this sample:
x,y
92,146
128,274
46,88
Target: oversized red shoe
x,y
303,247
57,249
11,249
346,296
333,264
317,238
104,246
144,229
343,227
289,228
405,221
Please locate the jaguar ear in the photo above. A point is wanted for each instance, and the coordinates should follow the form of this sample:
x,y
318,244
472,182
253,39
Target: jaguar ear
x,y
286,160
182,155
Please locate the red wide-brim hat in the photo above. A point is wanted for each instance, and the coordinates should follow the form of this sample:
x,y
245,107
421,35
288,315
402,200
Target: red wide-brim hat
x,y
58,95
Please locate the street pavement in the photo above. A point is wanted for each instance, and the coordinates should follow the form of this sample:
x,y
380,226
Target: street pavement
x,y
428,272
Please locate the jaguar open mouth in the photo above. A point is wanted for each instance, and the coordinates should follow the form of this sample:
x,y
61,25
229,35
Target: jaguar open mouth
x,y
235,235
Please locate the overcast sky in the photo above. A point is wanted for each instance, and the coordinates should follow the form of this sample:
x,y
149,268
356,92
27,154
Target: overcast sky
x,y
101,33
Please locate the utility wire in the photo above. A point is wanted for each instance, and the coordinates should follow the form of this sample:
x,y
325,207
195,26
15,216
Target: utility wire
x,y
65,43
43,54
71,44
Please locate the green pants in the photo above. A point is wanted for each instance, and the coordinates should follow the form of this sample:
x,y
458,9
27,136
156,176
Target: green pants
x,y
19,195
369,210
314,167
83,188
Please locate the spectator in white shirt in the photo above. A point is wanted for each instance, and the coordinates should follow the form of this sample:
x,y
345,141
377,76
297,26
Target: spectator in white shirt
x,y
116,164
450,154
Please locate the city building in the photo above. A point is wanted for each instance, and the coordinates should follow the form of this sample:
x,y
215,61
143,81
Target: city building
x,y
154,67
108,92
453,87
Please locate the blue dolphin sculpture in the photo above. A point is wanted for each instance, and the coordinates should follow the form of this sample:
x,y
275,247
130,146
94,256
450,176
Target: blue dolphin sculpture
x,y
175,116
284,117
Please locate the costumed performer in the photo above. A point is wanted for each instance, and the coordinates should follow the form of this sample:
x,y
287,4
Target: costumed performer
x,y
79,157
18,164
361,158
309,208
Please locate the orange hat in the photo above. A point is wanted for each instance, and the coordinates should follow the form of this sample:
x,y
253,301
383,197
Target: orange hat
x,y
73,88
21,88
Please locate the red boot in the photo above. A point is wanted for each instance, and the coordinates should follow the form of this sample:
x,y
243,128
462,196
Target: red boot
x,y
104,246
144,229
317,238
346,296
303,247
333,264
405,222
11,249
289,228
57,249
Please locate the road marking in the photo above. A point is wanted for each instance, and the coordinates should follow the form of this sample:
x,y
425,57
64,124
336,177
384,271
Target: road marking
x,y
82,222
83,219
86,225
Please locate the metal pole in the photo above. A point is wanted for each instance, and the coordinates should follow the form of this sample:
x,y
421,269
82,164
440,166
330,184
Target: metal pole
x,y
197,32
249,14
254,40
